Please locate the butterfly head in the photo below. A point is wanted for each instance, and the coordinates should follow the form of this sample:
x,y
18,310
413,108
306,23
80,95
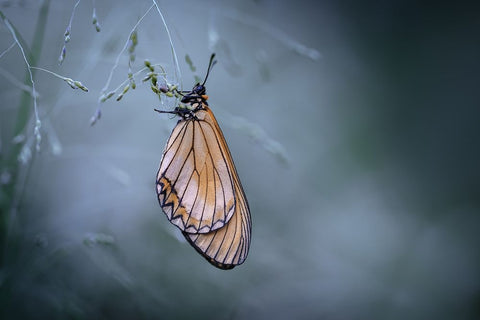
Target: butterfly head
x,y
199,89
196,95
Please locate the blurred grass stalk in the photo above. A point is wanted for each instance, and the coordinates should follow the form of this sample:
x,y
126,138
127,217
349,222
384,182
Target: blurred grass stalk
x,y
10,162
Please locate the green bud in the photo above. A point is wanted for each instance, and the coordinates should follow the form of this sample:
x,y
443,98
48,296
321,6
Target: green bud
x,y
80,85
105,97
134,38
133,42
95,21
149,65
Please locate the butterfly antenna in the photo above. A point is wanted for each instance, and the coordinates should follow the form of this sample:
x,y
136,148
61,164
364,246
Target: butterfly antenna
x,y
210,66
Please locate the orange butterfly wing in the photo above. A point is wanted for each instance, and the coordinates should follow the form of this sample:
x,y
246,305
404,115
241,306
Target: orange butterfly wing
x,y
199,190
228,246
195,186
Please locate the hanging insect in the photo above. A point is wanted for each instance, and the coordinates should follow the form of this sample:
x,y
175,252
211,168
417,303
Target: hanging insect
x,y
198,186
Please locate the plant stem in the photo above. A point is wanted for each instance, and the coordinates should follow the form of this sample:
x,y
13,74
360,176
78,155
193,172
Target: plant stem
x,y
23,116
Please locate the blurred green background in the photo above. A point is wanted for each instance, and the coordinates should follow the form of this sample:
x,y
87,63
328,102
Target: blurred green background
x,y
353,125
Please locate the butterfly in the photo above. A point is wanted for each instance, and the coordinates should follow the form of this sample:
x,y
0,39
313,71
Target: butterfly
x,y
198,186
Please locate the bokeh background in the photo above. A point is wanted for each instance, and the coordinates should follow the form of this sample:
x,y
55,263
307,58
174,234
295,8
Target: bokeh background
x,y
353,125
